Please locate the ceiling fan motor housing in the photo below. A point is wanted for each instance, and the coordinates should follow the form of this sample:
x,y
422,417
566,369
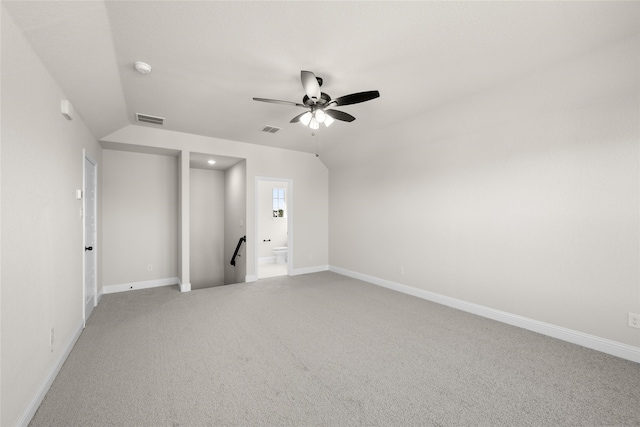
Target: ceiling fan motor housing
x,y
324,100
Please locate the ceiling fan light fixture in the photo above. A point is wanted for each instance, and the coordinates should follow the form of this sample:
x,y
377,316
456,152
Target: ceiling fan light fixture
x,y
314,124
320,116
328,120
305,119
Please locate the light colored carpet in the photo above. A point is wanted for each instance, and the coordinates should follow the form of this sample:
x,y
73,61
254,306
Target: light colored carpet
x,y
324,349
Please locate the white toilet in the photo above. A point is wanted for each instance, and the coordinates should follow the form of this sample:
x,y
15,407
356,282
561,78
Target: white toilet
x,y
281,254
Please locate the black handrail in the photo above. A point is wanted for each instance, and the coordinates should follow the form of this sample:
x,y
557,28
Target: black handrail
x,y
235,254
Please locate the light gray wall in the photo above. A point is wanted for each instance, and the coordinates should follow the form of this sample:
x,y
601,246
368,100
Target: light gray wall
x,y
183,220
309,174
235,219
523,198
206,222
270,228
41,227
140,217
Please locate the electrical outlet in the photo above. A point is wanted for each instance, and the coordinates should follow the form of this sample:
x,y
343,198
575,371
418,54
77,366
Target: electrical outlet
x,y
401,270
51,336
634,320
149,267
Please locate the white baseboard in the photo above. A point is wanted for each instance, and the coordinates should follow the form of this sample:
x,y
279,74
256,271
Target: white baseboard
x,y
613,348
26,417
307,270
123,287
184,287
250,278
267,260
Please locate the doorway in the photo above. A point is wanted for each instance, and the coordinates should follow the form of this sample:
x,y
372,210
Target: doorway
x,y
274,231
90,234
217,217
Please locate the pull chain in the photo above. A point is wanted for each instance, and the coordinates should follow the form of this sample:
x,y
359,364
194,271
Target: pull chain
x,y
316,136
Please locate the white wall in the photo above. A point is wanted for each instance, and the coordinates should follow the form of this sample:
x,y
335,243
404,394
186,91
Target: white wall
x,y
183,220
270,228
309,174
235,219
523,198
140,217
206,229
42,247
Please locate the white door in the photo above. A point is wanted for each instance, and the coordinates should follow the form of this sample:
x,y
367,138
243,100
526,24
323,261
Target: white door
x,y
90,234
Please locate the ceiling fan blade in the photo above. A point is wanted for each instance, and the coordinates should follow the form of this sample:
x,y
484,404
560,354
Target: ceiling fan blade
x,y
356,98
310,85
340,115
275,101
296,119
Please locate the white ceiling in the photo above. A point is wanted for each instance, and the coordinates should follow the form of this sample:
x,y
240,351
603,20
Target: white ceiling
x,y
201,161
210,58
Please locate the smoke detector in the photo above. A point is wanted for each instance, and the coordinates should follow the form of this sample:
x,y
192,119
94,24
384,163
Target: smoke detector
x,y
142,67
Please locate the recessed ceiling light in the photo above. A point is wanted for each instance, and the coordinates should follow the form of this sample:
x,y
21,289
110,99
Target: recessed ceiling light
x,y
212,162
142,67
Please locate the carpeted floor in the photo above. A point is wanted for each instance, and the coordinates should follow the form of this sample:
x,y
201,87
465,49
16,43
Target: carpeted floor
x,y
324,349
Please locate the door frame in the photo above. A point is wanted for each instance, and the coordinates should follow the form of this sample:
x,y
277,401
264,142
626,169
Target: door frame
x,y
86,157
256,247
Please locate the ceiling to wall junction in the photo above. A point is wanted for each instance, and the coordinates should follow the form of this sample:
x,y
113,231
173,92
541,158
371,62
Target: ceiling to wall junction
x,y
210,58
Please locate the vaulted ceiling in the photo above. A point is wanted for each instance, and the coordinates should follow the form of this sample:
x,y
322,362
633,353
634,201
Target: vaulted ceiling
x,y
210,59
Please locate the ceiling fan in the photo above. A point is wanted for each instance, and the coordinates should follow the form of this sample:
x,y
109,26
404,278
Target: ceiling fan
x,y
319,103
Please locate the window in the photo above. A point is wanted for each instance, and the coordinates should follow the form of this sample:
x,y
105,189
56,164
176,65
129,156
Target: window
x,y
279,205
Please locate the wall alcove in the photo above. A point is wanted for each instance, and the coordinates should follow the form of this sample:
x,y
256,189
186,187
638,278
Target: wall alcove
x,y
217,185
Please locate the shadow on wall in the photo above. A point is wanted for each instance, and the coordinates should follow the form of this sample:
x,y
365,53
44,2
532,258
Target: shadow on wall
x,y
206,228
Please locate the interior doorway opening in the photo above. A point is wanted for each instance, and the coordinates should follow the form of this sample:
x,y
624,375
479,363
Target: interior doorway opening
x,y
274,219
217,217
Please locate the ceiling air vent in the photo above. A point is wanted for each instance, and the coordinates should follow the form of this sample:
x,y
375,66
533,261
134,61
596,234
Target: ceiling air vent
x,y
270,129
149,119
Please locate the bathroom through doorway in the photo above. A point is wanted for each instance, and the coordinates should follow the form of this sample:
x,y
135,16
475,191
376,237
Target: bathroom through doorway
x,y
274,218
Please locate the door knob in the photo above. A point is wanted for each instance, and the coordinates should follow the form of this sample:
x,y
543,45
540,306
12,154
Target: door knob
x,y
88,248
